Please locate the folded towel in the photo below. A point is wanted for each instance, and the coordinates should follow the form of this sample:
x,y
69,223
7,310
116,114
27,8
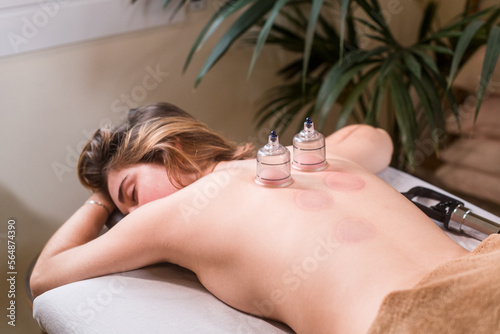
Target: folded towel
x,y
478,154
487,123
470,181
460,296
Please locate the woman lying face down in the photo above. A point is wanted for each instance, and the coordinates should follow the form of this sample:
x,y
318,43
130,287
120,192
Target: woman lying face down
x,y
157,151
301,254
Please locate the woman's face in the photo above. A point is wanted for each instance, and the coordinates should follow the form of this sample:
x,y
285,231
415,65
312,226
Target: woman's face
x,y
133,186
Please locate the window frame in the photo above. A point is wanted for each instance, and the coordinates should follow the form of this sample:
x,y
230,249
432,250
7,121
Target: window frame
x,y
31,25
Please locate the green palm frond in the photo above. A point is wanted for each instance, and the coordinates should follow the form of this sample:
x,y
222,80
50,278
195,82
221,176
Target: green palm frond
x,y
226,10
264,32
489,64
179,6
331,68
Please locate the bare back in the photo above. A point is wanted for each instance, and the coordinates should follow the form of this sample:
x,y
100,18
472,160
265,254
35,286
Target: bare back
x,y
319,255
329,247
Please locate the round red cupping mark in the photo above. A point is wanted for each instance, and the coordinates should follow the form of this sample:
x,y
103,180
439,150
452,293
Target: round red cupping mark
x,y
344,181
313,200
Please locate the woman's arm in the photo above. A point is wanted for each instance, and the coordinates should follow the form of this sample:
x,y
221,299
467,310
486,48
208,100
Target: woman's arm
x,y
84,225
75,252
367,146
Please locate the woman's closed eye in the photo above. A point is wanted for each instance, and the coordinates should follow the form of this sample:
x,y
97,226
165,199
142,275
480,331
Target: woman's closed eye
x,y
134,186
132,195
134,199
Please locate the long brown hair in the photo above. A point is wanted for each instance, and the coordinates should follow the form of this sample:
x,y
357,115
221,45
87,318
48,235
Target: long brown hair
x,y
163,134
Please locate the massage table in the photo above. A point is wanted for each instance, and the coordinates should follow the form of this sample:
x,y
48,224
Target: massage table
x,y
165,298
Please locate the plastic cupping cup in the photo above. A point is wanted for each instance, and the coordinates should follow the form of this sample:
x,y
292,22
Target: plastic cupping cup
x,y
309,152
273,164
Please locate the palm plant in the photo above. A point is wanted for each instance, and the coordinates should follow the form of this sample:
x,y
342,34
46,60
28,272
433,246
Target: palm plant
x,y
334,67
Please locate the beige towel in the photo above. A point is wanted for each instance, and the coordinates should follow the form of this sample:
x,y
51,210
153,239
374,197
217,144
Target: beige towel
x,y
470,181
487,123
482,155
460,296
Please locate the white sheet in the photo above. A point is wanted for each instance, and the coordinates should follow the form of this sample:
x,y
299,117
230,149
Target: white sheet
x,y
166,298
157,299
